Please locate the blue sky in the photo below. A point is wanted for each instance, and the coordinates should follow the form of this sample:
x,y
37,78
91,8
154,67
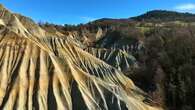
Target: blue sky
x,y
82,11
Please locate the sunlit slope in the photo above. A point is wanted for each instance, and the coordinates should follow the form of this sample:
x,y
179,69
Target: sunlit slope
x,y
38,71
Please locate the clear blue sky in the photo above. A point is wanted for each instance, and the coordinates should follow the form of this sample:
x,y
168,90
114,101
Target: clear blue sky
x,y
82,11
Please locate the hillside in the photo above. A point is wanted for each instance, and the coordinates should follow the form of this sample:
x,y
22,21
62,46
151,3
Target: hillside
x,y
162,44
140,63
165,16
43,68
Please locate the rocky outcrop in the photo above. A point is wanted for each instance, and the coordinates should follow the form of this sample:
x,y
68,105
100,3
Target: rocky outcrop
x,y
38,70
115,57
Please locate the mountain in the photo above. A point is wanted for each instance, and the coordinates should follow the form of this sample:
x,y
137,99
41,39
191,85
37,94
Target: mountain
x,y
144,22
160,43
43,68
163,15
139,63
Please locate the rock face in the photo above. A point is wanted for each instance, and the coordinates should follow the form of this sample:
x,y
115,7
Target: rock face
x,y
114,57
40,70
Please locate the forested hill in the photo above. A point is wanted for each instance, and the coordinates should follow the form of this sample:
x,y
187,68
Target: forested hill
x,y
152,17
163,15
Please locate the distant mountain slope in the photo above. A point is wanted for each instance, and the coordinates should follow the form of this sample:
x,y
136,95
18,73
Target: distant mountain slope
x,y
162,15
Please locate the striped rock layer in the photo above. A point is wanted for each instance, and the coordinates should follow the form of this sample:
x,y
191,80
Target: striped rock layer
x,y
40,71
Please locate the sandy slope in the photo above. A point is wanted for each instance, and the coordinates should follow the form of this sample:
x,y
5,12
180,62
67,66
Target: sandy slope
x,y
36,66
